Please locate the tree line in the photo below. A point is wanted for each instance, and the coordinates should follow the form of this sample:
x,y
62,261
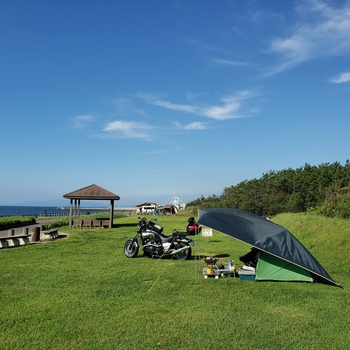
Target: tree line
x,y
323,189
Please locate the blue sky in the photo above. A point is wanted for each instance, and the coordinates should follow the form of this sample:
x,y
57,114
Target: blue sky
x,y
154,98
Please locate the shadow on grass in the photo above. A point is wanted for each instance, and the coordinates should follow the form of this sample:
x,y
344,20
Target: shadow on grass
x,y
125,225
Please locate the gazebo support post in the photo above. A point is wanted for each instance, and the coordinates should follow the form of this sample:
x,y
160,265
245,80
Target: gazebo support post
x,y
70,213
75,209
111,212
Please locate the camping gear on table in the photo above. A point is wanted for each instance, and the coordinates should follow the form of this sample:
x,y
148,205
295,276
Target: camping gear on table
x,y
156,244
215,269
281,256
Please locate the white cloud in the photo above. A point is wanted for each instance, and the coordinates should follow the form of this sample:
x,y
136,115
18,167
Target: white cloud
x,y
128,129
325,32
230,62
155,101
81,121
341,78
195,126
191,126
227,110
230,107
176,107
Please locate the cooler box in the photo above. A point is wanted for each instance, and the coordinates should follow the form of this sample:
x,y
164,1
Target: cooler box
x,y
246,275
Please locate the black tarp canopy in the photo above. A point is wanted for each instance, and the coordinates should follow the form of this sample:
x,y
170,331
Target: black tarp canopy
x,y
265,236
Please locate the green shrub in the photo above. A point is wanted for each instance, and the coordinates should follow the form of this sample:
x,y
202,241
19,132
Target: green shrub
x,y
336,205
16,220
54,224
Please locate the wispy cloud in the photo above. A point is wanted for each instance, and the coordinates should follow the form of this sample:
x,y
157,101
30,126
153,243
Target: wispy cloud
x,y
83,120
230,62
125,107
191,126
230,106
220,52
195,126
324,32
128,129
341,78
173,106
207,47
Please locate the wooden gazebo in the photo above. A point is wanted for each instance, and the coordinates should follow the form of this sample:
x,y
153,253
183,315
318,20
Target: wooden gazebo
x,y
92,192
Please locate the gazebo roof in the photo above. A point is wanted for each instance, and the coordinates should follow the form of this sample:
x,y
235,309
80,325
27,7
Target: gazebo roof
x,y
92,192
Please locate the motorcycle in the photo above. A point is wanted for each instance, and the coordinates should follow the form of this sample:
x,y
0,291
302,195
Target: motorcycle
x,y
156,244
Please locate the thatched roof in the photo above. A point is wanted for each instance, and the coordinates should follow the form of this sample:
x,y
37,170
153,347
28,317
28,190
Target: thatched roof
x,y
92,192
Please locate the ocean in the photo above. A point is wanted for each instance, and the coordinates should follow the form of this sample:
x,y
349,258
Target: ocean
x,y
43,211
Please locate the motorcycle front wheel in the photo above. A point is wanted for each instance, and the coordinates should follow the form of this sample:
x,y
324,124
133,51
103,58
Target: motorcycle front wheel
x,y
184,254
131,248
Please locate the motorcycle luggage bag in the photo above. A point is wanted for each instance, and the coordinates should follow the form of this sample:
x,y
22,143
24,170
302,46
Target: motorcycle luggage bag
x,y
193,229
178,235
154,227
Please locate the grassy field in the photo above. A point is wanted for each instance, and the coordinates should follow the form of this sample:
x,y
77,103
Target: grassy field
x,y
81,292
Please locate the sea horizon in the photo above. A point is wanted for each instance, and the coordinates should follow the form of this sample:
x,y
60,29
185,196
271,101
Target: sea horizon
x,y
42,210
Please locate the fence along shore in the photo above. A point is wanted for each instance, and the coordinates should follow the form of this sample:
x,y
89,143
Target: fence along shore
x,y
64,211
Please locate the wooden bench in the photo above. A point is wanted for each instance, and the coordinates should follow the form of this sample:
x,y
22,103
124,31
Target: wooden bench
x,y
100,223
91,223
50,234
86,223
14,241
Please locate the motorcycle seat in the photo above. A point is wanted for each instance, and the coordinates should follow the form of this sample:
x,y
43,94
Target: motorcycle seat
x,y
165,238
172,237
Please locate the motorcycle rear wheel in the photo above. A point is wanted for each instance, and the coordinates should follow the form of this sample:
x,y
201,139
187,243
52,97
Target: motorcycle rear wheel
x,y
183,255
131,249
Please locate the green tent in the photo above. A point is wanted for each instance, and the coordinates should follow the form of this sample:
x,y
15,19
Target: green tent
x,y
283,257
271,268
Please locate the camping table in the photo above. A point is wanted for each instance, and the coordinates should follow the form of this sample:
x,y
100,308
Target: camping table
x,y
214,271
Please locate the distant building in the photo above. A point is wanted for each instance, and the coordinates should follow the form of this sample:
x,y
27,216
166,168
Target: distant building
x,y
170,209
147,208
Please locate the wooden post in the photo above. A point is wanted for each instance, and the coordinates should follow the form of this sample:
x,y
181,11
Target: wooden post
x,y
70,213
75,209
111,212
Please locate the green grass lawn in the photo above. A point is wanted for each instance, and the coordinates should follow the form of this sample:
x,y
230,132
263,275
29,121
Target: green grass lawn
x,y
81,292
